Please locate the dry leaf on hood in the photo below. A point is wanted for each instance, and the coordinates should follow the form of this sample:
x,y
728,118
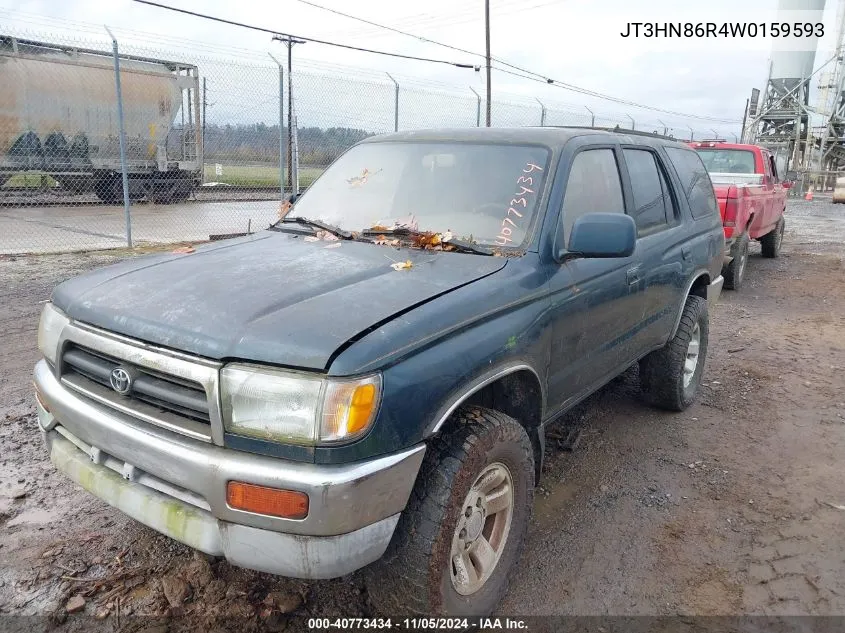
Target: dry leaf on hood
x,y
334,245
284,208
311,238
402,265
382,240
327,236
184,249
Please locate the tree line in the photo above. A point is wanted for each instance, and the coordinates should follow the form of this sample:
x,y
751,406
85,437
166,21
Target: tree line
x,y
259,142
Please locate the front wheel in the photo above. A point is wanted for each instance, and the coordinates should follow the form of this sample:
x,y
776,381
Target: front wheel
x,y
670,376
462,532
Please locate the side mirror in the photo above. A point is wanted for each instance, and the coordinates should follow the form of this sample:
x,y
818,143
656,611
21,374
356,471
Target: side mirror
x,y
787,184
292,197
602,235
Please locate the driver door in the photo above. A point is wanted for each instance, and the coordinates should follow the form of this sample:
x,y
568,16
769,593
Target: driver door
x,y
592,300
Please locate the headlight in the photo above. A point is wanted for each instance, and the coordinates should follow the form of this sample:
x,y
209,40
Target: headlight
x,y
295,408
49,331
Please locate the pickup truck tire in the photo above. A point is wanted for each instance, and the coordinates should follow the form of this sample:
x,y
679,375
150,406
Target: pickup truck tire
x,y
670,376
483,463
734,272
771,241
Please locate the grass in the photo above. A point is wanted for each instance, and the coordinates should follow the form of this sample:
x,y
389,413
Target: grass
x,y
256,175
235,175
31,180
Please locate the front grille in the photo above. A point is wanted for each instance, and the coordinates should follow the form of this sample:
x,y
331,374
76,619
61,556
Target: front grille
x,y
154,396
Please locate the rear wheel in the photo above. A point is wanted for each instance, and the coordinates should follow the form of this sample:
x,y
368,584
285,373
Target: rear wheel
x,y
109,188
734,272
670,376
771,242
462,532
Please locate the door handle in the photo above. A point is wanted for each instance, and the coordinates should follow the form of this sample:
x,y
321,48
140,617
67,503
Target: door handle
x,y
633,276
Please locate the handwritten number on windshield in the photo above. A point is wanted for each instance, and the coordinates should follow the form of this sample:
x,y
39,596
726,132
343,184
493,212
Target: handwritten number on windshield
x,y
520,199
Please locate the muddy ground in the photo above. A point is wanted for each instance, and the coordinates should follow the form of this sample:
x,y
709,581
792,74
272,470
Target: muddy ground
x,y
736,506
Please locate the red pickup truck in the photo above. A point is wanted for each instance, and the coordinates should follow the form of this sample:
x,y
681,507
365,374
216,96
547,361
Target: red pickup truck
x,y
752,201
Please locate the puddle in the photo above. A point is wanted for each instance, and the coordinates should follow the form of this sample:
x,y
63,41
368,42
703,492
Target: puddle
x,y
36,516
550,508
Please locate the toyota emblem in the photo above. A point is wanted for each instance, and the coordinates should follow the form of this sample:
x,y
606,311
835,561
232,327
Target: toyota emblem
x,y
120,380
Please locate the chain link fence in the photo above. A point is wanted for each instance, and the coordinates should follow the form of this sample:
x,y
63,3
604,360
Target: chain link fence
x,y
208,147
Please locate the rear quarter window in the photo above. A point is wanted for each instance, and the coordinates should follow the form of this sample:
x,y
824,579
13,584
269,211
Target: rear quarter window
x,y
695,181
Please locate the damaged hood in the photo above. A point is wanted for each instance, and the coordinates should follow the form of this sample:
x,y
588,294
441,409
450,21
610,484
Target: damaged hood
x,y
270,297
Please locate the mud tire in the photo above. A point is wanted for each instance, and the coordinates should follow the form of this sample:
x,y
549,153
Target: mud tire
x,y
414,575
662,371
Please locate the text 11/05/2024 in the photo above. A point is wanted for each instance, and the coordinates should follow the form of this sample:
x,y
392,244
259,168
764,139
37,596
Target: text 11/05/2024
x,y
418,624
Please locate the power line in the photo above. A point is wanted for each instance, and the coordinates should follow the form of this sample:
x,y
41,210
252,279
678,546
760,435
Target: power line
x,y
569,87
302,37
462,17
426,20
407,34
527,74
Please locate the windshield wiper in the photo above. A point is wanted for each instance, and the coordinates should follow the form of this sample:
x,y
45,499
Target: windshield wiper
x,y
464,247
402,230
317,224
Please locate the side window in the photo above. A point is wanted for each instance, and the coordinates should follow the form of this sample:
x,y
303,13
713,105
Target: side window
x,y
671,211
593,186
774,168
650,194
767,166
695,181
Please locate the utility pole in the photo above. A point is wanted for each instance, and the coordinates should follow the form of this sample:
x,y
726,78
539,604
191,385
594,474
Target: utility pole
x,y
289,42
281,128
487,32
122,138
204,107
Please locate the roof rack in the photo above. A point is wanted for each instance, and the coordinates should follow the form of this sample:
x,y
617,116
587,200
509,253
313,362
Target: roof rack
x,y
617,129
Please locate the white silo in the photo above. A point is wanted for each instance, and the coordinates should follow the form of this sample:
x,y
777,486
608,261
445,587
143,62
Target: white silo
x,y
783,120
789,68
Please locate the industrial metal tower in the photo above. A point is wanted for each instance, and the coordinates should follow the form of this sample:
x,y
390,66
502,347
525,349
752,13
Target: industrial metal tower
x,y
831,104
782,122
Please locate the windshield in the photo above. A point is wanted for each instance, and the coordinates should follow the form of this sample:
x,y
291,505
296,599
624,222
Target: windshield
x,y
728,161
481,193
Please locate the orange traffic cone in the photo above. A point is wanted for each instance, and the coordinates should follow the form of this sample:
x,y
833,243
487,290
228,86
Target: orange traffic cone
x,y
809,195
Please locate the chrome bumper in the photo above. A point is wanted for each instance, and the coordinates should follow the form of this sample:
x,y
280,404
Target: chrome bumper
x,y
177,485
714,290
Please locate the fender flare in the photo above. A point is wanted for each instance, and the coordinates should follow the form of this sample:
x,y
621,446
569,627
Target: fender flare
x,y
487,377
698,275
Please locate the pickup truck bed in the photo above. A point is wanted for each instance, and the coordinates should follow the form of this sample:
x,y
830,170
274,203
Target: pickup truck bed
x,y
752,201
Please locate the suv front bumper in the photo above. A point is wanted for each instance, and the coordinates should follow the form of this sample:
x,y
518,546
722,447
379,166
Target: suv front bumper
x,y
177,485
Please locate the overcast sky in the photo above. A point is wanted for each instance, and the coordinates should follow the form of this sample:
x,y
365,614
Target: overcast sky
x,y
577,41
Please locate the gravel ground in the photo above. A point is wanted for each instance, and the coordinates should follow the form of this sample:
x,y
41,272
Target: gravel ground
x,y
732,507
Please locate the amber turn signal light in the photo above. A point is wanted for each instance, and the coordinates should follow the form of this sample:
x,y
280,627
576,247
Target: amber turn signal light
x,y
40,398
288,504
